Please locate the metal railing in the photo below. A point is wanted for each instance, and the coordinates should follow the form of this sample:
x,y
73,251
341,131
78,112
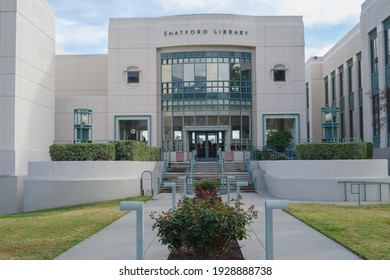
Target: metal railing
x,y
165,157
249,169
220,163
364,185
266,153
335,140
193,162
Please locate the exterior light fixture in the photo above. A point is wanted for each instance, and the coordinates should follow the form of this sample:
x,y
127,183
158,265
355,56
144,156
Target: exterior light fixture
x,y
328,117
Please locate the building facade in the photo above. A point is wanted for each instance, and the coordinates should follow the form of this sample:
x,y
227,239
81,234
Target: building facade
x,y
193,82
27,98
352,80
203,83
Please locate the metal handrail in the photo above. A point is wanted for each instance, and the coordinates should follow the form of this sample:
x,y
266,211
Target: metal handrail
x,y
151,182
364,184
249,169
273,154
220,163
163,169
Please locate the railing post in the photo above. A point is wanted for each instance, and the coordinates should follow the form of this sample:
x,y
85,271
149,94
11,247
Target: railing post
x,y
223,185
185,183
269,206
190,184
173,186
228,178
151,182
238,187
140,228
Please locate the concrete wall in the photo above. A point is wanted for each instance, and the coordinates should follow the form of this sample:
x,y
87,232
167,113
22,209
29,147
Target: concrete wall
x,y
11,194
59,184
317,180
26,83
272,41
27,47
81,82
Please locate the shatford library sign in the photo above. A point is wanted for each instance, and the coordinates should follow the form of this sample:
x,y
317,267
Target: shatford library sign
x,y
205,32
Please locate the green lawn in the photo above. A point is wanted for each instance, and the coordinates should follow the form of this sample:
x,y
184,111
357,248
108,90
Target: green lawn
x,y
363,229
44,235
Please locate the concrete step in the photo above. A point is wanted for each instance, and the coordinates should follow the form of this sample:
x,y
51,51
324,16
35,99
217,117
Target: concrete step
x,y
207,170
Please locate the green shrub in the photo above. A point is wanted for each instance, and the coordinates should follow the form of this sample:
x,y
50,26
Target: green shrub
x,y
136,151
279,140
82,152
203,229
334,151
207,189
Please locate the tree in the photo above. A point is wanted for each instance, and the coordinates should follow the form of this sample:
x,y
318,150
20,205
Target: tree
x,y
380,108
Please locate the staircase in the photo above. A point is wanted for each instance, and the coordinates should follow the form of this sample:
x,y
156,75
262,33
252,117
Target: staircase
x,y
206,170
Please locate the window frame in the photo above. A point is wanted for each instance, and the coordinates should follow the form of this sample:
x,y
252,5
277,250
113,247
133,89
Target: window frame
x,y
295,117
137,77
146,118
279,75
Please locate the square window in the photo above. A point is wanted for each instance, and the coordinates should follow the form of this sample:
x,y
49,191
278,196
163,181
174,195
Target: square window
x,y
279,75
132,77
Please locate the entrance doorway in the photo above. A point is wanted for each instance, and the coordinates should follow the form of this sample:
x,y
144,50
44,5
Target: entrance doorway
x,y
207,144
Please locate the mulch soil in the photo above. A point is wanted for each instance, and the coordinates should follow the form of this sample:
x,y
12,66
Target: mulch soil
x,y
233,253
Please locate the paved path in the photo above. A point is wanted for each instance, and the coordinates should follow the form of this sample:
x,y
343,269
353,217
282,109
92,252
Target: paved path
x,y
292,238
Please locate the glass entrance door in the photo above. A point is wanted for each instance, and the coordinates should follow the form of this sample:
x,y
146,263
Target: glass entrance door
x,y
207,144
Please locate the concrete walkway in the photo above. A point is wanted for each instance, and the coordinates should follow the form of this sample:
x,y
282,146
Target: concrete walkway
x,y
293,240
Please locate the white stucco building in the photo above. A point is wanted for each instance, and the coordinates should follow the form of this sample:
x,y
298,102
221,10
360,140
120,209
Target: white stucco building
x,y
350,76
185,83
179,81
27,92
193,82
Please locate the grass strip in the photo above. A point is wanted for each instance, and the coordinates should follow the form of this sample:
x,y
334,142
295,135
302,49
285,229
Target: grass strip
x,y
365,230
43,235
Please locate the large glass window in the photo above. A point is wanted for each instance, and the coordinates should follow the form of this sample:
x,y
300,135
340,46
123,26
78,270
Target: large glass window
x,y
281,123
350,76
191,74
333,87
206,89
132,128
342,103
387,46
374,51
326,86
360,86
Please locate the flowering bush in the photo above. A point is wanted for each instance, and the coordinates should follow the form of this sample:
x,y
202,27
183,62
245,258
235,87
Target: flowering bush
x,y
204,228
207,189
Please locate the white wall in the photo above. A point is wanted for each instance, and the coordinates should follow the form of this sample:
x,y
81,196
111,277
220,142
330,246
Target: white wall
x,y
81,82
27,46
59,184
26,83
317,180
272,40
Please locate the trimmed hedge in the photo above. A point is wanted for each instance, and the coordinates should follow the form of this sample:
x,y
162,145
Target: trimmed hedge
x,y
82,152
334,151
136,151
117,150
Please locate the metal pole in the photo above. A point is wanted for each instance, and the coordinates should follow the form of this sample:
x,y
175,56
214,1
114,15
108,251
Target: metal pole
x,y
269,242
238,187
173,186
269,237
140,228
185,183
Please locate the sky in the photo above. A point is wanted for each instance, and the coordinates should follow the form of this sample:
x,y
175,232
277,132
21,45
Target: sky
x,y
82,25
